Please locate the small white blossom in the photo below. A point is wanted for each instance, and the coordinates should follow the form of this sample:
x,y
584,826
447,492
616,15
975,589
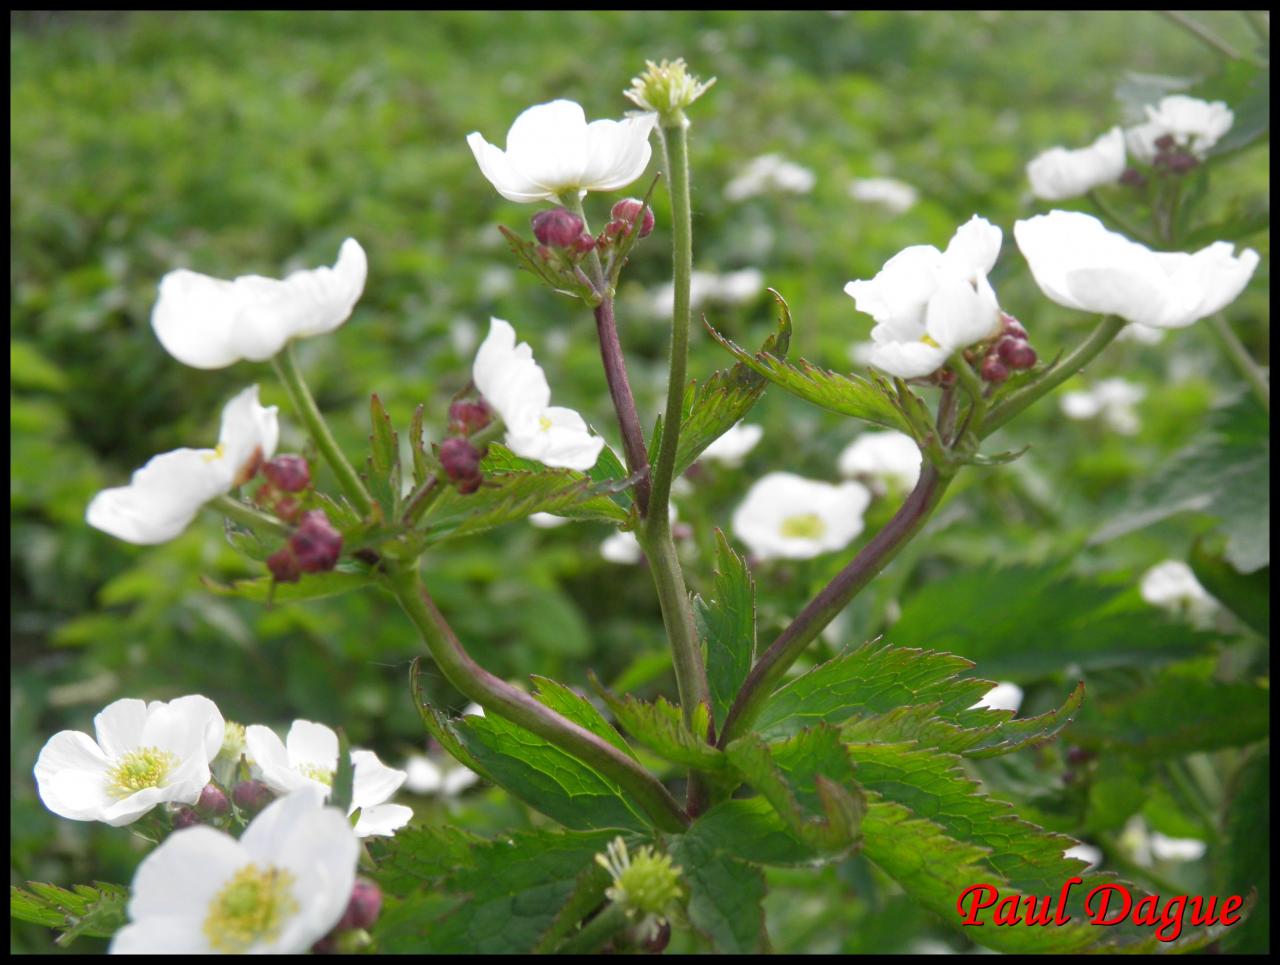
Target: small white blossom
x,y
929,303
1112,399
1192,123
1059,173
897,196
770,172
515,385
552,150
1164,848
890,456
1003,696
730,288
144,755
278,889
425,776
732,447
309,758
1079,264
547,520
623,548
1171,585
164,496
789,517
1085,852
209,323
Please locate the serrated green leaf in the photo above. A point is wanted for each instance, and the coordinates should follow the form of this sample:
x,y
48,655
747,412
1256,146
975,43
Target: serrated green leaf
x,y
93,911
660,727
383,475
1247,595
1224,472
725,896
1247,852
312,586
588,892
849,395
727,627
422,468
809,781
1044,621
1177,714
896,694
421,856
579,710
750,829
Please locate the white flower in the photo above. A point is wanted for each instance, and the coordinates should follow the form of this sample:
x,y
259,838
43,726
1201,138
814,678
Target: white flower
x,y
209,323
144,755
790,517
1085,852
1171,585
551,150
929,303
1192,123
770,172
279,889
891,456
1113,399
425,776
164,496
547,520
732,447
515,385
1164,848
309,758
1079,264
1059,173
897,196
731,288
1003,696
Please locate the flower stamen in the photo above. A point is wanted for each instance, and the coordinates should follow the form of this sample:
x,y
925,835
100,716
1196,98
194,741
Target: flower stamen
x,y
252,907
138,770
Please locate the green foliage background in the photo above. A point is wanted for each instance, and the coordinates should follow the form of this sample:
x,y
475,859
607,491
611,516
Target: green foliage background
x,y
237,143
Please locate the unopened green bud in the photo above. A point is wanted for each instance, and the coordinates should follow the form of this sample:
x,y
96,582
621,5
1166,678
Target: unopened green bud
x,y
646,884
667,88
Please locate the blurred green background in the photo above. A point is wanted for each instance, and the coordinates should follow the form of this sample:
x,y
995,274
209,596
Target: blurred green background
x,y
239,143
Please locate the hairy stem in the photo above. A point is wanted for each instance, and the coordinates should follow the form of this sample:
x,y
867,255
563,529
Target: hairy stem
x,y
624,403
1242,360
833,598
498,696
248,516
305,406
1107,329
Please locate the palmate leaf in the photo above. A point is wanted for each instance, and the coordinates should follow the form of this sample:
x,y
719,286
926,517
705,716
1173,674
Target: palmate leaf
x,y
727,627
895,694
714,407
532,769
849,395
1044,620
94,911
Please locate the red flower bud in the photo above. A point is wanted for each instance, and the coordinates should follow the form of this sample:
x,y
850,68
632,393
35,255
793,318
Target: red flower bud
x,y
185,817
1012,327
363,908
461,463
1133,178
557,227
316,545
468,417
658,943
284,566
1020,356
628,209
289,474
212,801
1165,142
584,244
1181,163
251,796
993,369
288,509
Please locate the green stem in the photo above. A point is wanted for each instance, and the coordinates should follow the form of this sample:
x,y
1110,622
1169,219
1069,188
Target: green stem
x,y
1128,227
248,516
1108,328
305,406
1242,360
593,935
498,696
835,596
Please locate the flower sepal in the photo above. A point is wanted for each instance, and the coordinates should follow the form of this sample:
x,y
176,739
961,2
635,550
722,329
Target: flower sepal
x,y
557,267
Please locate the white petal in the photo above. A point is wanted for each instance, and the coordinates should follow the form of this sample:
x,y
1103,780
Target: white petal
x,y
1058,174
887,455
495,166
907,360
271,759
312,743
179,879
382,820
731,447
71,776
374,782
779,497
622,548
974,247
162,498
120,725
205,718
1003,696
560,439
547,144
264,837
958,315
248,436
458,780
618,152
163,936
423,775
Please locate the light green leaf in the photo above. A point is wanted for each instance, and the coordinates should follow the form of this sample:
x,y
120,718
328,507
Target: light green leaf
x,y
660,727
727,628
93,911
312,586
579,710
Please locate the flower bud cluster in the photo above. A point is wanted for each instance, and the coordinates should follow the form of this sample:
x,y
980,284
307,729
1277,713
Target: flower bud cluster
x,y
562,235
1173,157
287,477
1011,350
459,457
314,547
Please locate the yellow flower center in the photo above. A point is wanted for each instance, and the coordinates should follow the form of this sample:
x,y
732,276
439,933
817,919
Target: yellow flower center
x,y
218,452
544,423
929,341
252,907
803,526
140,769
317,773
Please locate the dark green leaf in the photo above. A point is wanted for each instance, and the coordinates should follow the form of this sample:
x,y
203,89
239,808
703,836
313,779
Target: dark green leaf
x,y
1247,595
579,710
751,829
727,627
1247,864
93,911
725,896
